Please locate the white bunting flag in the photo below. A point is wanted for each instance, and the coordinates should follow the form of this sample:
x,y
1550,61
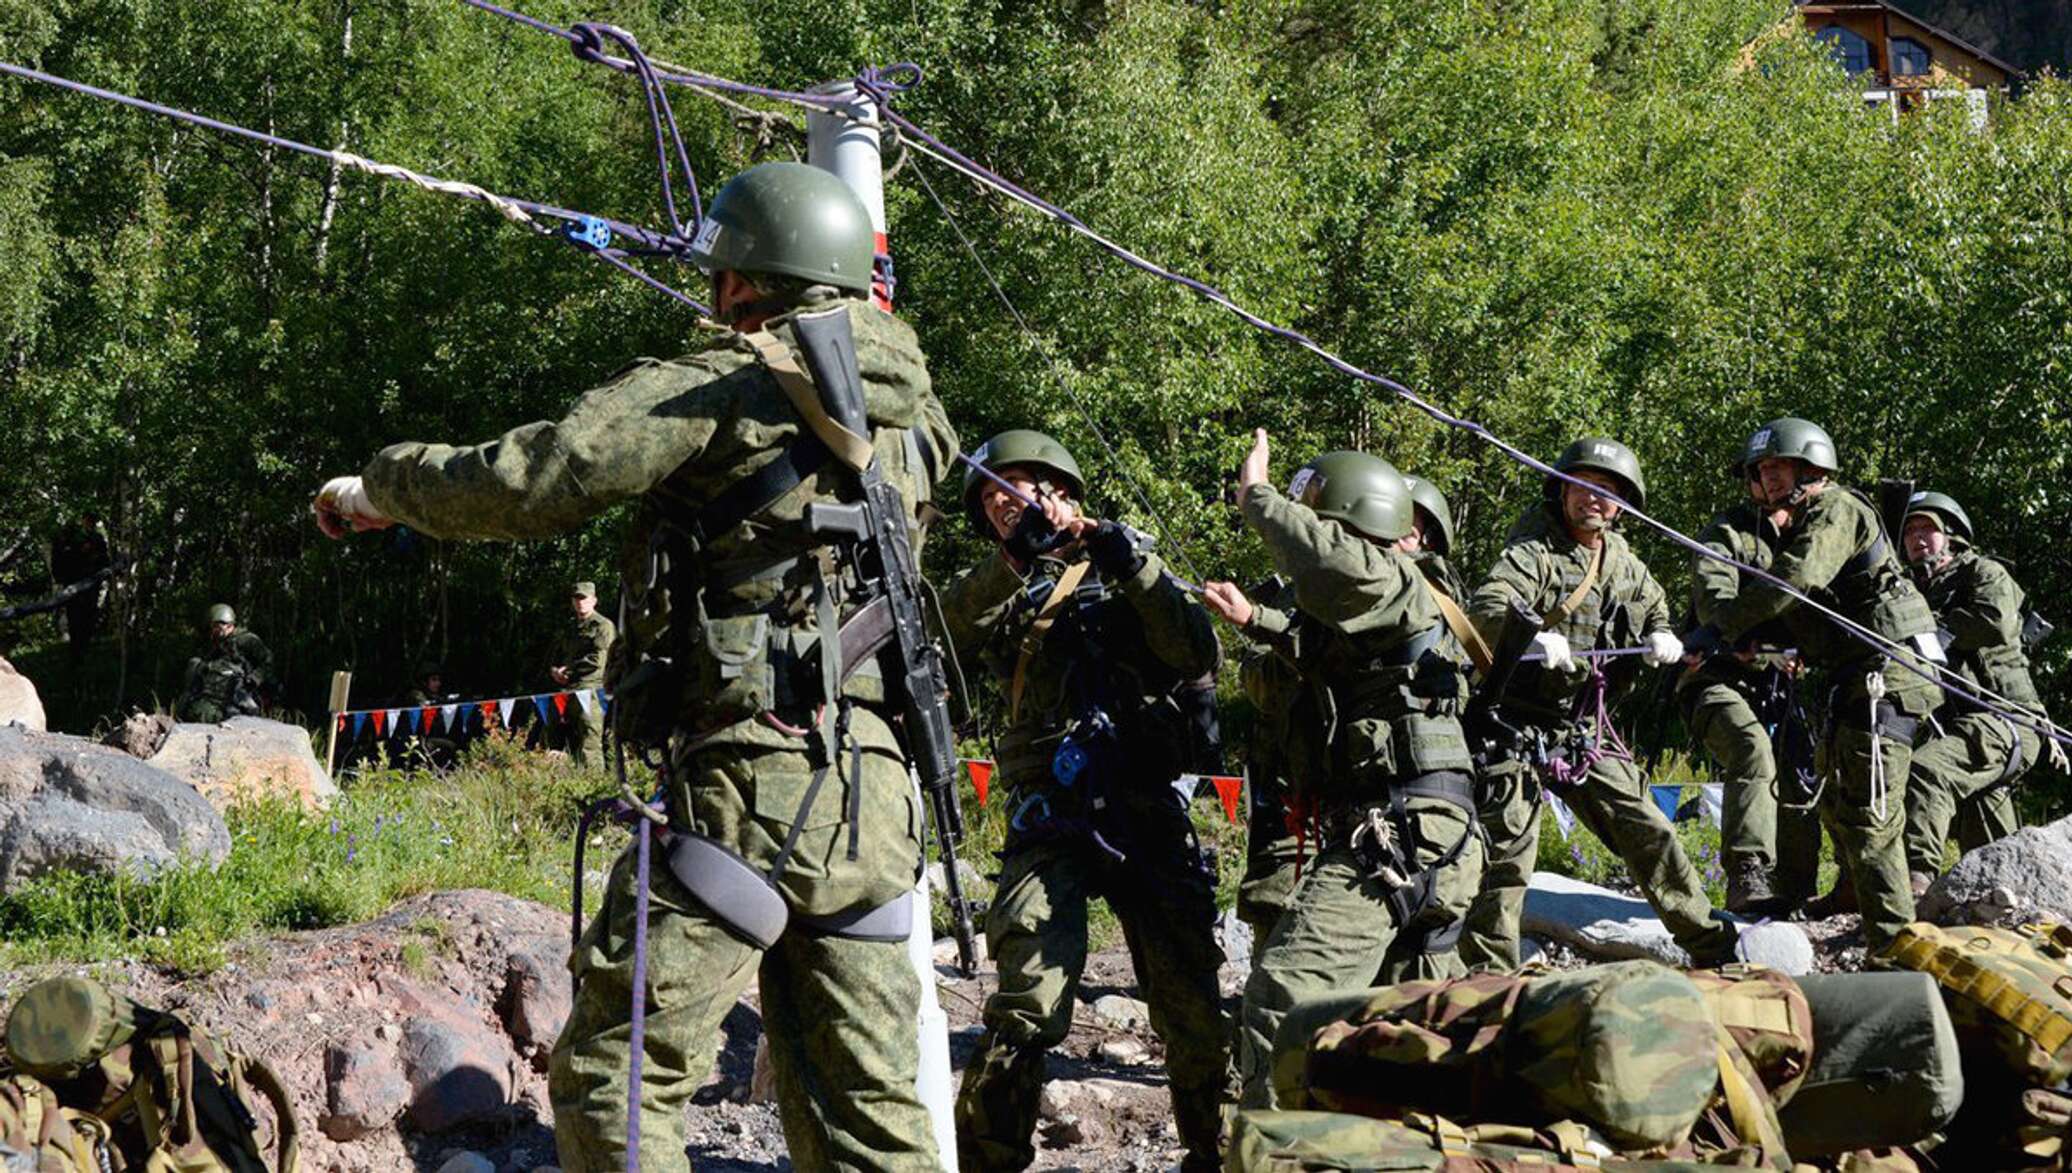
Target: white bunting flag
x,y
1564,818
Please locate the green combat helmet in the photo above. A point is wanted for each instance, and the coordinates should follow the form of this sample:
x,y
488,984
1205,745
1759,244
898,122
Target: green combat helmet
x,y
1794,439
1019,447
789,219
1426,496
1954,520
1608,456
221,613
1363,492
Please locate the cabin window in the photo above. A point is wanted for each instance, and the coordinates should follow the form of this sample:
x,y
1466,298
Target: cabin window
x,y
1850,49
1910,58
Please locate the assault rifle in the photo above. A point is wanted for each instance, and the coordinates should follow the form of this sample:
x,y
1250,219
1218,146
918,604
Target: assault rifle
x,y
1483,721
884,561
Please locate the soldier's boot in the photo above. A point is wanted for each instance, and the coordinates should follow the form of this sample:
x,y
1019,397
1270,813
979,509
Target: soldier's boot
x,y
1198,1117
1748,889
998,1105
1839,899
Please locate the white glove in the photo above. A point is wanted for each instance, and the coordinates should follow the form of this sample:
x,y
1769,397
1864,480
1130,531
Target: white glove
x,y
1663,648
1553,647
342,505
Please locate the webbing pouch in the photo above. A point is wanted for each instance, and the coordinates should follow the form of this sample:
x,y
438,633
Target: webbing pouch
x,y
741,896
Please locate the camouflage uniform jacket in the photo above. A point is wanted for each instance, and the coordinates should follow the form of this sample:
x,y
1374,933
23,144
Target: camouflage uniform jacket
x,y
1835,551
1978,602
1743,534
1144,635
674,434
1383,697
240,666
1541,566
581,648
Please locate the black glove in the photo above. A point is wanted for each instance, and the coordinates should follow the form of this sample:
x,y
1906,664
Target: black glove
x,y
1705,641
1113,550
1033,535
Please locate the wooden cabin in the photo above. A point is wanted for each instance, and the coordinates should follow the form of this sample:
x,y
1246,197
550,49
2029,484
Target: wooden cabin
x,y
1902,62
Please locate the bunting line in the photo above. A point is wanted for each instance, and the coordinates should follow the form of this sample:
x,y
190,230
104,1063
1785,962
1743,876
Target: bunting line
x,y
449,716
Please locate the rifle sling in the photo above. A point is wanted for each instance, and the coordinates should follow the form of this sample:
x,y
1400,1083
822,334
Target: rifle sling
x,y
1462,627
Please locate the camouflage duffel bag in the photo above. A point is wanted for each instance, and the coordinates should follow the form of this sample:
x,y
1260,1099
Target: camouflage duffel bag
x,y
40,1135
1327,1142
2009,994
1634,1050
174,1099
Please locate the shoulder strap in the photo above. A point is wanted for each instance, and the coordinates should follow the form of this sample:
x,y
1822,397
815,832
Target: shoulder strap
x,y
288,1131
1461,626
1032,642
1748,1102
1575,597
852,449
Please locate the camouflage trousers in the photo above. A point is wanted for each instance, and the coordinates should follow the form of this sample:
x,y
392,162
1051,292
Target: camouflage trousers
x,y
1762,826
840,1015
1339,932
1863,796
1036,932
1965,776
583,734
1271,853
1614,803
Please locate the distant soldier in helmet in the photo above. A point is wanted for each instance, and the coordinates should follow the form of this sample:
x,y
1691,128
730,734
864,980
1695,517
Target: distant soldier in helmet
x,y
232,678
1733,698
1372,741
1835,550
721,465
1108,670
1966,773
1565,563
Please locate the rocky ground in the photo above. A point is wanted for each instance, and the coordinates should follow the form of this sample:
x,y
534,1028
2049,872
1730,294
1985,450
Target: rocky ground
x,y
417,1040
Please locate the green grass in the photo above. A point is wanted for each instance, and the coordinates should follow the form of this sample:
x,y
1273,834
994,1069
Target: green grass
x,y
503,821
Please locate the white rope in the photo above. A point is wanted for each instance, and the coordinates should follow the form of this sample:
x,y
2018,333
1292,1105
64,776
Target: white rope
x,y
1874,687
469,191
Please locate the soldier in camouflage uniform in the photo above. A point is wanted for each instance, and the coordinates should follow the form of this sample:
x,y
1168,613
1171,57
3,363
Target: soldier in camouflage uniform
x,y
231,678
1835,551
748,599
1565,563
1100,653
1374,744
1732,699
579,655
1966,773
1274,837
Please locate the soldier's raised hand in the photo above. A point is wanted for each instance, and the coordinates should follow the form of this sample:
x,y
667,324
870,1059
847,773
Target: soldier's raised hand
x,y
342,507
1225,601
1254,470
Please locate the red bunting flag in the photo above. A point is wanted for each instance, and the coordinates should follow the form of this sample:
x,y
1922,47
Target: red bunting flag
x,y
981,778
561,704
488,713
341,722
380,723
1227,789
424,721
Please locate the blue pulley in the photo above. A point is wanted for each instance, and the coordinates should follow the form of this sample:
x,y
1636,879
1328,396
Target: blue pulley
x,y
589,231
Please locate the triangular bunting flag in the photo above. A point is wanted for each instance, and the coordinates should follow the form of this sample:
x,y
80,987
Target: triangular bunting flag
x,y
561,703
604,701
1185,786
380,722
503,710
359,723
446,715
395,721
1228,789
587,699
981,778
545,707
1712,803
341,722
424,720
1564,818
1668,798
488,711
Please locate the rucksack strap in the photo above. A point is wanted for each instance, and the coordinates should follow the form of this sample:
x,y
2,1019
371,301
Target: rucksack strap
x,y
1039,629
1567,607
1748,1102
288,1132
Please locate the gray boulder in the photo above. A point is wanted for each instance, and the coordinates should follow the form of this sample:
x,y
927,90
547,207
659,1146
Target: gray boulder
x,y
246,757
69,805
2026,876
1604,925
19,702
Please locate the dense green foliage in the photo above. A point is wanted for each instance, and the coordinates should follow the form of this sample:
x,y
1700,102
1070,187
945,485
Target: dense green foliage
x,y
1548,215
